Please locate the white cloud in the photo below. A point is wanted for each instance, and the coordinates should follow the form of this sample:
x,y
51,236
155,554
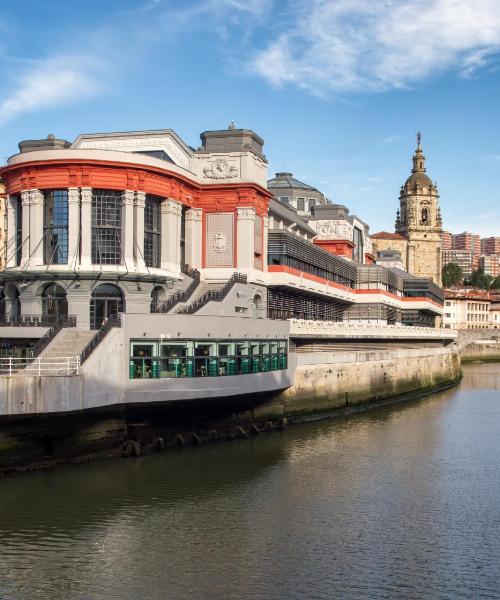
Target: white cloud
x,y
374,45
50,83
392,139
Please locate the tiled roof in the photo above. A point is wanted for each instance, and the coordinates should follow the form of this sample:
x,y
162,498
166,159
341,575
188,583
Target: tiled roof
x,y
385,235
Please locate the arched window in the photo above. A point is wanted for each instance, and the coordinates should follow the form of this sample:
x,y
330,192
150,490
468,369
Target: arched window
x,y
54,301
425,216
257,306
158,296
12,301
106,300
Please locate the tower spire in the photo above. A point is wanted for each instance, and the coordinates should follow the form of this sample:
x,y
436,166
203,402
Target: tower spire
x,y
418,157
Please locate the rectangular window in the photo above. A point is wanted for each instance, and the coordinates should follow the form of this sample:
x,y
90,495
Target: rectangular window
x,y
312,203
152,359
285,200
106,227
301,203
152,232
55,227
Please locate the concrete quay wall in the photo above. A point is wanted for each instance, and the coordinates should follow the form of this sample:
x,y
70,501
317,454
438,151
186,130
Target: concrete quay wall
x,y
324,383
328,381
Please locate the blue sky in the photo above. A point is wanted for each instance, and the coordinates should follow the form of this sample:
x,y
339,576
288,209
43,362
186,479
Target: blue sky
x,y
337,88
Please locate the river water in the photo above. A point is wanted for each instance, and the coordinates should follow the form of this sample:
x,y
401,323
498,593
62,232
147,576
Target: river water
x,y
398,502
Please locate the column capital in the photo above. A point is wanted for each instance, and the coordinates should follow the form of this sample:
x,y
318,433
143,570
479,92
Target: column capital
x,y
194,214
25,197
169,206
37,196
128,197
246,213
73,195
86,195
140,199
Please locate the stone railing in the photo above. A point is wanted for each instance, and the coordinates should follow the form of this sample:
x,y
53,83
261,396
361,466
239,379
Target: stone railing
x,y
339,329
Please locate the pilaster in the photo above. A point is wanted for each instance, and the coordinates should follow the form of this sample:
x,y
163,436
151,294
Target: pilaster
x,y
128,229
171,212
11,233
86,228
245,238
73,226
139,204
36,228
194,237
25,234
265,231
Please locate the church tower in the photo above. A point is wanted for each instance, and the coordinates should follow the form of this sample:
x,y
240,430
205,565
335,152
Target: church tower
x,y
419,220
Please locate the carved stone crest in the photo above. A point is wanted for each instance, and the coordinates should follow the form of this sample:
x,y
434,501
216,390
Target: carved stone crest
x,y
219,242
220,169
340,230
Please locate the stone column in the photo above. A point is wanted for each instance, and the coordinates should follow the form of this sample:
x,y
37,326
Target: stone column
x,y
194,237
36,228
265,230
73,227
86,228
139,204
11,233
25,234
128,229
171,212
245,238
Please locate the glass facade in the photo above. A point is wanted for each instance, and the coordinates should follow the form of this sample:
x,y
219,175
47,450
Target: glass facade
x,y
55,227
106,227
155,359
152,232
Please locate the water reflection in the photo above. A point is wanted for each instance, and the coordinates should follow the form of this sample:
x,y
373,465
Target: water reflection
x,y
400,502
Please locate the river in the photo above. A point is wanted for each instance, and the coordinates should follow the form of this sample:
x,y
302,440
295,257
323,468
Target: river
x,y
399,502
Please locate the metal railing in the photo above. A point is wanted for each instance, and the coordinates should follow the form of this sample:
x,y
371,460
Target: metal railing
x,y
180,295
54,365
214,295
44,341
112,321
27,321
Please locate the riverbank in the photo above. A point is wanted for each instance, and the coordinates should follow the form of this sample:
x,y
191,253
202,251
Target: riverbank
x,y
326,384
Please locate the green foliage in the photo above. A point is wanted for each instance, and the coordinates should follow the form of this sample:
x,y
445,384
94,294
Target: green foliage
x,y
452,275
495,284
480,280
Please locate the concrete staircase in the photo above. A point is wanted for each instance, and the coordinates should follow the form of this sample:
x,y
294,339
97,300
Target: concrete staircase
x,y
68,343
199,291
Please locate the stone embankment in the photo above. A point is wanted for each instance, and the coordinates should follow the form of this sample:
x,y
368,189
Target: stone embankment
x,y
326,383
479,345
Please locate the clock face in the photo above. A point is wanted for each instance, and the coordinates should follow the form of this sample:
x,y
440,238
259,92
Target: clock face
x,y
220,167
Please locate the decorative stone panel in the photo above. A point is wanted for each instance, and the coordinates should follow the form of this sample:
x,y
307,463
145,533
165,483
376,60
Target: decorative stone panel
x,y
219,240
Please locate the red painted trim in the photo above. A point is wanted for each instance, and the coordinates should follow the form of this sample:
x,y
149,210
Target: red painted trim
x,y
328,283
54,174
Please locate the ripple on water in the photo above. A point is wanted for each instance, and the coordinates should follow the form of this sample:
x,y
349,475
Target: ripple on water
x,y
400,502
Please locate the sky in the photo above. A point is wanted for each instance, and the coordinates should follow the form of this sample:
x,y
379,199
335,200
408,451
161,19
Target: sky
x,y
337,88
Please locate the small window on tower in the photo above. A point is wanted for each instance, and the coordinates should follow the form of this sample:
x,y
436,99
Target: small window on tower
x,y
425,216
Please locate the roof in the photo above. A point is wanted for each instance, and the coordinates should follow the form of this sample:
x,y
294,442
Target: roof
x,y
287,181
420,180
385,235
289,214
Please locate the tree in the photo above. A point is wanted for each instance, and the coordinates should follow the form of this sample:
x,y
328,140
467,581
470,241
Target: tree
x,y
480,280
495,284
452,274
